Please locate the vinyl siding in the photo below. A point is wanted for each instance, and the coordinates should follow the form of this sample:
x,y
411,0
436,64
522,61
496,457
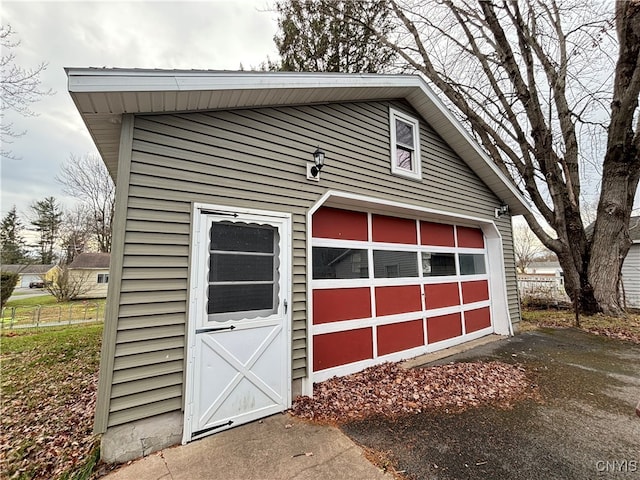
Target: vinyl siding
x,y
252,159
631,276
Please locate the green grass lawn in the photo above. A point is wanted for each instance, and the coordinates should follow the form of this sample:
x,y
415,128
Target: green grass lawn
x,y
49,380
44,299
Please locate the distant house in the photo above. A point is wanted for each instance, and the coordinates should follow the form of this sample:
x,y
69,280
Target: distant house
x,y
544,268
543,279
631,266
93,268
29,274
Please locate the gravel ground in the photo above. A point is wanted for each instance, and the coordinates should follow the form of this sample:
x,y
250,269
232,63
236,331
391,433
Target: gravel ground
x,y
583,427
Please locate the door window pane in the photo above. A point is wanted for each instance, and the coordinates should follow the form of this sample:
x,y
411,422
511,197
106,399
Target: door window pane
x,y
339,263
243,272
225,267
242,237
472,264
438,264
393,264
240,298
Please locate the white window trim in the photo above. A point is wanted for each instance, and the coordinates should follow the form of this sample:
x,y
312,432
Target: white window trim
x,y
416,173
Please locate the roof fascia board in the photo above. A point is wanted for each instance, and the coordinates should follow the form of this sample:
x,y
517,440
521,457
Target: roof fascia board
x,y
88,80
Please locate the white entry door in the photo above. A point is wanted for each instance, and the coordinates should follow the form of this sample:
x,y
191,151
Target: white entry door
x,y
239,349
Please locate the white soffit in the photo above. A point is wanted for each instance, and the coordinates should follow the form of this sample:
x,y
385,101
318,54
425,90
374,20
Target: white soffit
x,y
102,96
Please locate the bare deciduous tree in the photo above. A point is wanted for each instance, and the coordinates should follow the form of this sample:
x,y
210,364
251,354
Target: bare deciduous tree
x,y
87,179
535,80
75,232
66,284
19,87
526,247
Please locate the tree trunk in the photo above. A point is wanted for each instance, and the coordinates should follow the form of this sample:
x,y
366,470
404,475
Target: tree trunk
x,y
621,168
611,240
574,258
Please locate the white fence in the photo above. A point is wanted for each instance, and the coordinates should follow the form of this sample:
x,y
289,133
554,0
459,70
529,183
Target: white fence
x,y
51,315
542,288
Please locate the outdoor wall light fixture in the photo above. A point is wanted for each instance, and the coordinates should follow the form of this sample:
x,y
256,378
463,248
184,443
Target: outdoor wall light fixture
x,y
318,159
502,210
313,169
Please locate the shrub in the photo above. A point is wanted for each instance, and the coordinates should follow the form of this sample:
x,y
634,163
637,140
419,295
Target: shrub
x,y
8,282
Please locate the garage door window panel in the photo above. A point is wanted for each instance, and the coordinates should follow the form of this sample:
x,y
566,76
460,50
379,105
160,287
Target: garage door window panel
x,y
344,263
394,264
472,264
438,264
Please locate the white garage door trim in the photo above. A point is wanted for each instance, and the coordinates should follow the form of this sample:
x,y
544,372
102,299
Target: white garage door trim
x,y
501,318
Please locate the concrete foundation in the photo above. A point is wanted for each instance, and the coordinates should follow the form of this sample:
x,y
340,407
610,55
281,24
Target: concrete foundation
x,y
140,438
296,388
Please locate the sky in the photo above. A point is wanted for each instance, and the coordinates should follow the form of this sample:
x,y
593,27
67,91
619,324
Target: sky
x,y
214,34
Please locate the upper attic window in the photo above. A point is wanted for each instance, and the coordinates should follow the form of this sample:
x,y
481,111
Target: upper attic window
x,y
405,145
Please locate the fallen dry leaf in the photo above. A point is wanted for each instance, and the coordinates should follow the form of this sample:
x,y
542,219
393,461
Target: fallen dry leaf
x,y
390,390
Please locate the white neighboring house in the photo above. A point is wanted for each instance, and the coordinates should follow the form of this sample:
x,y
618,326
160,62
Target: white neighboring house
x,y
29,274
94,268
543,279
631,266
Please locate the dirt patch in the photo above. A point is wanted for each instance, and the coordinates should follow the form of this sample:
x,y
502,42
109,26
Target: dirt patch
x,y
620,328
585,427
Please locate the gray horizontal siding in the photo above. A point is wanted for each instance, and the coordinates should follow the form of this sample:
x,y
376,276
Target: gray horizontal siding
x,y
631,276
251,159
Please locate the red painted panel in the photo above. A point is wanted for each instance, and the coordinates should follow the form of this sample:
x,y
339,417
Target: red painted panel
x,y
470,237
340,348
398,299
444,327
393,230
440,295
335,304
400,336
437,234
341,224
475,291
477,319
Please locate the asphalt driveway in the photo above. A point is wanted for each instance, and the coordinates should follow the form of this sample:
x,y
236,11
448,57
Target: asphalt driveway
x,y
584,428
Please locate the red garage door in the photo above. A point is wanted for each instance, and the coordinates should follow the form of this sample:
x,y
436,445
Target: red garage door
x,y
386,288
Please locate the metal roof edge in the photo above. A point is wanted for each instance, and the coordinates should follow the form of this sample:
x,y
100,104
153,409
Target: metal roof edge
x,y
121,80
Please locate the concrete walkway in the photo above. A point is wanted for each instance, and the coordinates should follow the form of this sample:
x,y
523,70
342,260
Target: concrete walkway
x,y
278,447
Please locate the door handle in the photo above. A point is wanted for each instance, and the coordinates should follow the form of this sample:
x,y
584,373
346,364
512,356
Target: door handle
x,y
286,305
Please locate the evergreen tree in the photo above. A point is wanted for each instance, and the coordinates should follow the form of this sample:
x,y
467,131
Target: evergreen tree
x,y
11,239
332,36
48,217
